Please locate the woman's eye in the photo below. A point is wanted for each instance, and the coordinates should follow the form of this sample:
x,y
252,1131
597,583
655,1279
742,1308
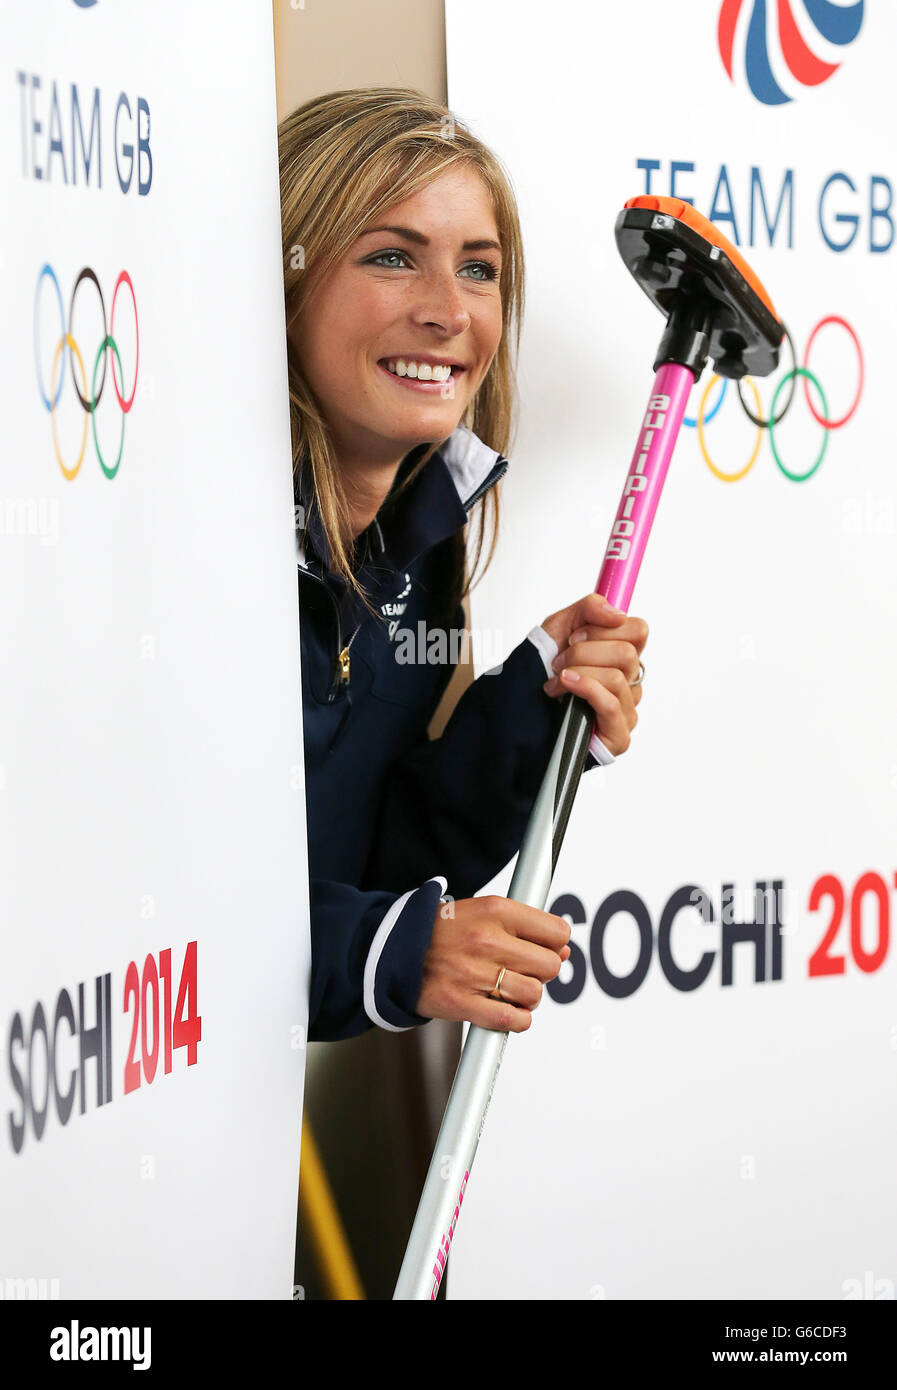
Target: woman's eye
x,y
375,260
491,271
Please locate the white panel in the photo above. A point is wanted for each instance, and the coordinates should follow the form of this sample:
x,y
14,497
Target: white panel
x,y
730,1141
150,712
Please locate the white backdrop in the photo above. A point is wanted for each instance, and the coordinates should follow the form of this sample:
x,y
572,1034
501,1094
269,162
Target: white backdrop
x,y
649,1140
151,794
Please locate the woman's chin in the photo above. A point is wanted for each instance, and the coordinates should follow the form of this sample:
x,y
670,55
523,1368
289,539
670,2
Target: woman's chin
x,y
424,424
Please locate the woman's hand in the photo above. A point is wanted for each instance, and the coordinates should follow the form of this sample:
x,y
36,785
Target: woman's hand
x,y
599,650
473,940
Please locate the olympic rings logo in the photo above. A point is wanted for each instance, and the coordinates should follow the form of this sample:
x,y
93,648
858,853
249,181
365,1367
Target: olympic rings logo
x,y
774,419
67,350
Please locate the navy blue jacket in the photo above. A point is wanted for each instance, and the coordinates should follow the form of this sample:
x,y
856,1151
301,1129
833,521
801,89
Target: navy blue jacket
x,y
397,820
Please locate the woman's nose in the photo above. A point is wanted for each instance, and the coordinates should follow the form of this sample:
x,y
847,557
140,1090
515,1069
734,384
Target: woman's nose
x,y
441,302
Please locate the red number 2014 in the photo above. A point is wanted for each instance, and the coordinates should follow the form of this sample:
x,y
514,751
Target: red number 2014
x,y
823,961
183,1030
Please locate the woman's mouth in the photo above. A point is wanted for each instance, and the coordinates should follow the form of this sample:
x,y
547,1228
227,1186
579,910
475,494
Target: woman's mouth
x,y
413,375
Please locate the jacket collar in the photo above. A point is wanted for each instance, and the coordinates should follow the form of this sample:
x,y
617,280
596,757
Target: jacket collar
x,y
435,506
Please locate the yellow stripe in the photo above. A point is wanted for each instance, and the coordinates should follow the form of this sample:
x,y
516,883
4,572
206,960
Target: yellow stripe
x,y
320,1222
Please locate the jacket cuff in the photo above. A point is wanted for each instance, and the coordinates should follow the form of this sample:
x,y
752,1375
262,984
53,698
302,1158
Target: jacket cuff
x,y
548,649
393,971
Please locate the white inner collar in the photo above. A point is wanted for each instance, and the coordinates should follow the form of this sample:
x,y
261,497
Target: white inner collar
x,y
468,460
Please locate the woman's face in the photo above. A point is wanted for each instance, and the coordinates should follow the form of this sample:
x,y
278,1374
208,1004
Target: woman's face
x,y
426,291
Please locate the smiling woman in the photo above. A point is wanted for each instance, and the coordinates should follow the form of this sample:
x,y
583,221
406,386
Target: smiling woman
x,y
400,341
403,269
450,242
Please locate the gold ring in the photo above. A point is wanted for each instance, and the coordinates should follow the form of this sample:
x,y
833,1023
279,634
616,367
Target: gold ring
x,y
641,675
495,991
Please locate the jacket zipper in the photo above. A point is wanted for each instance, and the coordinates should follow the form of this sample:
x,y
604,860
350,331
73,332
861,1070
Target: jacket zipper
x,y
340,662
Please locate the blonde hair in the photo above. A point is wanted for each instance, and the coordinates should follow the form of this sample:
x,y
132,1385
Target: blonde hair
x,y
345,158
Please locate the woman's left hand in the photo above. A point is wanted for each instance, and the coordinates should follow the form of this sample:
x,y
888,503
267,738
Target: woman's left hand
x,y
601,646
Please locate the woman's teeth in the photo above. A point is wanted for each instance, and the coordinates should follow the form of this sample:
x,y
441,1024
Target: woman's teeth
x,y
422,371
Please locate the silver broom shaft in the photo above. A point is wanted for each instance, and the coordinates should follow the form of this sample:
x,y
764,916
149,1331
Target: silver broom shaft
x,y
428,1247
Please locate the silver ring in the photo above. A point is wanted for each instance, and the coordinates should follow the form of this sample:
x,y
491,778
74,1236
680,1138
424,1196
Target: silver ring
x,y
641,674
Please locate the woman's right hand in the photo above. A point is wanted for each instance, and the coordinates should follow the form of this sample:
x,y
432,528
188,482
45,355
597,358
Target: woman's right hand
x,y
472,940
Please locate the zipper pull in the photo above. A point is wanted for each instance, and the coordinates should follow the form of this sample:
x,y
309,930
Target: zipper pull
x,y
342,676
